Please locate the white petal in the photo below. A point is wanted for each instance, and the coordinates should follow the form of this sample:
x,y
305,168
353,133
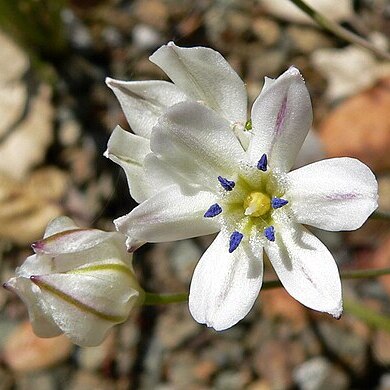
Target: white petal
x,y
41,320
71,241
161,175
58,225
205,76
84,303
281,118
197,143
169,215
306,268
129,150
334,194
144,101
225,285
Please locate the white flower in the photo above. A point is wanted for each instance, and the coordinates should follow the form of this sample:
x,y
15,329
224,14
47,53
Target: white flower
x,y
204,181
199,74
79,282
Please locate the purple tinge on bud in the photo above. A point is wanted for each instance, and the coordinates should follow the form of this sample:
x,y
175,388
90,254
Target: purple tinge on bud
x,y
280,119
213,210
37,245
228,185
269,233
278,202
235,240
263,162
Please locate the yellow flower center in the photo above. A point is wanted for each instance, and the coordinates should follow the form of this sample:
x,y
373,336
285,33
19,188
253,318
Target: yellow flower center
x,y
257,204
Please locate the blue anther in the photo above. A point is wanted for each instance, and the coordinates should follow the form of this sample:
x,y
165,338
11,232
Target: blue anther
x,y
263,162
235,240
228,185
213,210
269,233
278,203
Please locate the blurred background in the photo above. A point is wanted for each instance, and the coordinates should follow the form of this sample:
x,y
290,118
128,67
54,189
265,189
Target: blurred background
x,y
56,115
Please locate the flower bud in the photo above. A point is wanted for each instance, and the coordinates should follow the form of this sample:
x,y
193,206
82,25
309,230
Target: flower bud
x,y
79,282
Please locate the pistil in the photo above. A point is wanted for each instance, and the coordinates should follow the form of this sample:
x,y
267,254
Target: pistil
x,y
257,204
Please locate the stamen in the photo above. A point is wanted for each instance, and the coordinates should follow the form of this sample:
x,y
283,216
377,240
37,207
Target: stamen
x,y
262,164
269,233
235,240
278,202
213,210
228,185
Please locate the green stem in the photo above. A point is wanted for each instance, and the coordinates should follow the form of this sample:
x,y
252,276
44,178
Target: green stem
x,y
164,299
369,316
339,31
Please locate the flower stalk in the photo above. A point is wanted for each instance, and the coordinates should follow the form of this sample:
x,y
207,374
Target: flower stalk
x,y
339,31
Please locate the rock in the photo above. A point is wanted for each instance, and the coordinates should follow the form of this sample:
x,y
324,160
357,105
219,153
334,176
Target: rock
x,y
384,382
259,385
277,304
266,30
36,380
145,37
84,380
93,358
360,128
175,327
183,257
26,207
286,10
274,359
341,341
27,144
381,347
69,132
306,39
231,380
319,374
13,61
349,70
13,97
153,13
180,369
24,352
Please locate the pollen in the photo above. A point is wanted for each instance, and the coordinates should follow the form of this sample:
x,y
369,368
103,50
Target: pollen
x,y
257,204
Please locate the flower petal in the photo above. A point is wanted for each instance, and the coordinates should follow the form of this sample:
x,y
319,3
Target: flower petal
x,y
129,150
197,143
59,224
225,285
168,216
334,194
71,241
83,303
306,268
281,118
41,320
206,77
144,101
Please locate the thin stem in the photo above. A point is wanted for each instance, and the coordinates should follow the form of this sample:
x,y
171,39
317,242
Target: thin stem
x,y
164,299
365,273
368,315
337,30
